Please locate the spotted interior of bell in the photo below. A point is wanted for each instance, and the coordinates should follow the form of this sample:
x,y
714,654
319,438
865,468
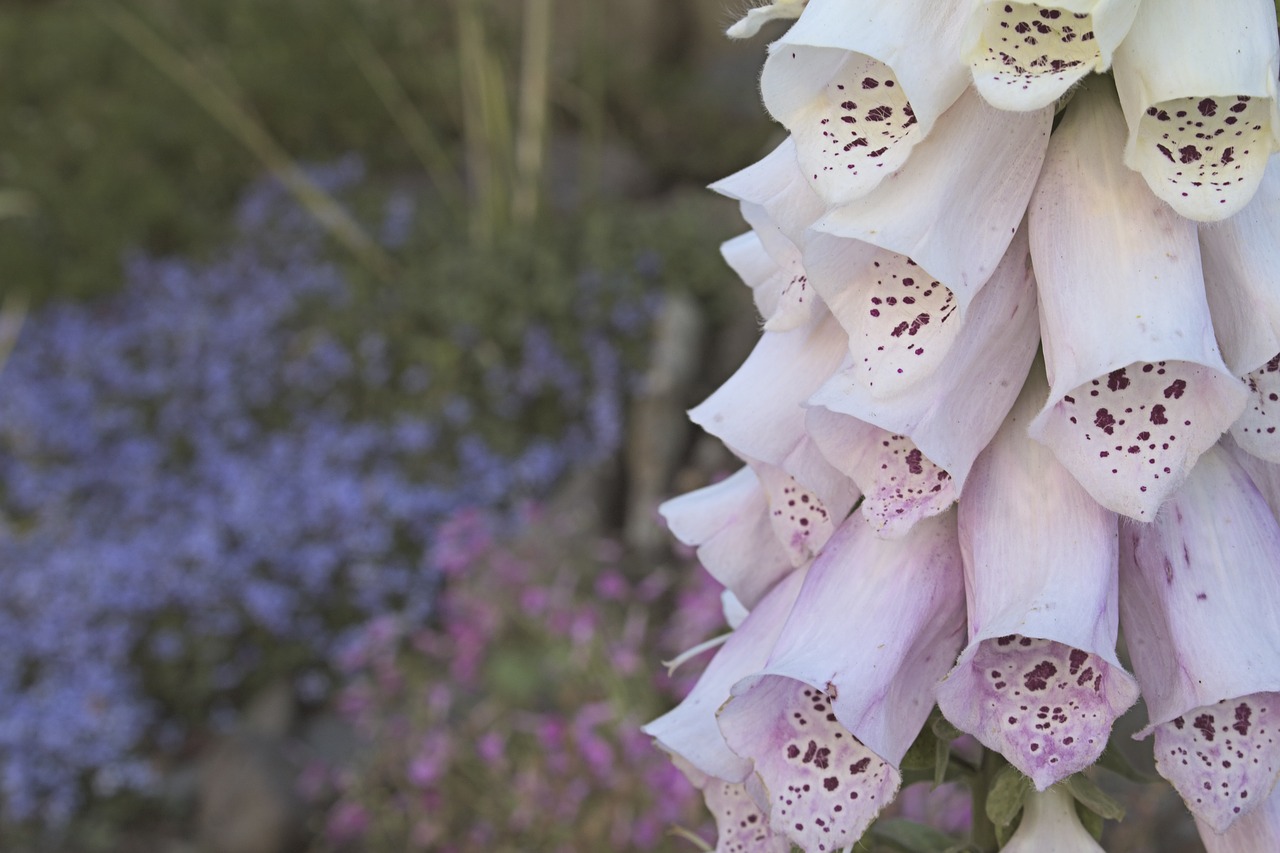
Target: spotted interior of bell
x,y
800,521
1214,147
1024,42
1255,430
862,124
741,826
1043,703
906,327
824,786
1223,758
1132,423
902,486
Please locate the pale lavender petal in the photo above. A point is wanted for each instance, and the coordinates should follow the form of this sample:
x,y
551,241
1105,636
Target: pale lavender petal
x,y
1027,55
1256,430
859,82
1242,276
1256,832
1139,389
741,825
1039,681
955,206
1199,594
689,730
1198,85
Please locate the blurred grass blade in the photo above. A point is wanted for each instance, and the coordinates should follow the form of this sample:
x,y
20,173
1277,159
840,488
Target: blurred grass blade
x,y
13,313
535,75
319,204
426,147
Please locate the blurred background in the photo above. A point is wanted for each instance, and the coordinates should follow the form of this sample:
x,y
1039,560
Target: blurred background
x,y
328,325
347,346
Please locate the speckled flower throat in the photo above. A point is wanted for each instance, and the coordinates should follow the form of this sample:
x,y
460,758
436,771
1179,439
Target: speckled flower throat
x,y
1013,408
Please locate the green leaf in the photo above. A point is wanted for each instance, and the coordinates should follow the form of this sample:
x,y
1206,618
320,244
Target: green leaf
x,y
911,836
1004,833
1008,792
1091,797
920,755
941,760
1092,821
943,729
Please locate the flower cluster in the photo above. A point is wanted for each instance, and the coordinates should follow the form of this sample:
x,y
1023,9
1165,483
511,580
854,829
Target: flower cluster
x,y
197,495
513,721
929,225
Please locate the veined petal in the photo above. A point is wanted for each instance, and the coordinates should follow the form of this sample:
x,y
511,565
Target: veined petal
x,y
729,523
1039,681
1256,832
1265,475
759,411
1026,55
956,204
689,730
1139,389
910,453
1198,85
1242,277
859,82
850,681
1198,598
1050,825
741,825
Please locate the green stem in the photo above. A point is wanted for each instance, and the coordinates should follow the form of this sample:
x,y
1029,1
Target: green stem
x,y
984,831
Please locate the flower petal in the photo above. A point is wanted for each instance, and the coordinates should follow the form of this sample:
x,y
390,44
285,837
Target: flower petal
x,y
746,256
1199,594
741,825
1039,681
1242,276
1139,389
1198,85
841,699
1050,825
1256,429
689,730
1027,55
729,523
859,82
911,452
956,204
1256,832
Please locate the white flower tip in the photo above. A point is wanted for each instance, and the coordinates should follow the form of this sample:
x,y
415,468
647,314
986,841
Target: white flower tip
x,y
749,24
1027,55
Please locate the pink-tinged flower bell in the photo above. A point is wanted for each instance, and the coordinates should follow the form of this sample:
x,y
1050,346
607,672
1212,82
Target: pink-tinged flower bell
x,y
910,453
1242,275
1199,594
1256,832
1027,55
1198,85
779,205
741,825
954,207
689,730
731,525
759,412
1139,389
859,82
850,681
781,295
1039,681
1050,825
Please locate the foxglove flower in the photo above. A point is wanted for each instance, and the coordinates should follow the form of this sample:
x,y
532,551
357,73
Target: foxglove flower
x,y
1050,825
778,205
910,454
689,730
741,825
1199,593
758,413
1256,832
850,681
859,82
1138,388
1242,274
1198,85
1039,680
1026,55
